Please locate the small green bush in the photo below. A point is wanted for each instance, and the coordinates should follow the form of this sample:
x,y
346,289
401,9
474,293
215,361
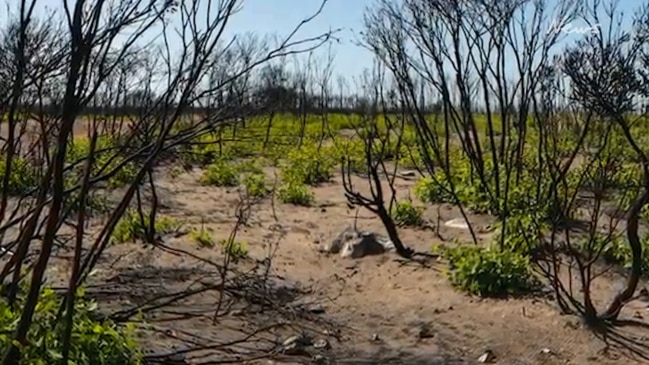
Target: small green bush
x,y
295,193
106,159
202,237
255,185
130,227
22,178
429,190
405,214
618,251
221,173
488,272
308,165
95,203
93,342
236,250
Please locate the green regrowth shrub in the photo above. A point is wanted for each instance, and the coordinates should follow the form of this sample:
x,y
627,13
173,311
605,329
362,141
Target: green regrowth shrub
x,y
202,237
131,227
93,342
433,190
522,232
308,165
295,193
22,177
255,185
221,173
405,214
488,272
106,159
617,250
236,250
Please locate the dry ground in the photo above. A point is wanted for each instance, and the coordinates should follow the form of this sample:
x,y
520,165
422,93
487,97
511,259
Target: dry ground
x,y
375,306
372,311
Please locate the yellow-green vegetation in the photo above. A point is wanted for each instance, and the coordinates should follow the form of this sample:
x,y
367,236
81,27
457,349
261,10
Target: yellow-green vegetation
x,y
22,178
295,193
616,250
407,215
236,250
93,341
133,226
308,165
255,185
522,195
221,173
488,272
202,237
95,202
107,159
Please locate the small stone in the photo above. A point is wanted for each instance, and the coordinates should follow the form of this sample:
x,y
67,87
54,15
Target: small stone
x,y
317,309
290,341
236,312
459,223
546,351
424,331
408,173
177,359
637,315
487,357
321,344
375,337
319,359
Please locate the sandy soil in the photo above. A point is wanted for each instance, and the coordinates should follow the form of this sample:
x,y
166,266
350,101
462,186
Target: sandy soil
x,y
374,310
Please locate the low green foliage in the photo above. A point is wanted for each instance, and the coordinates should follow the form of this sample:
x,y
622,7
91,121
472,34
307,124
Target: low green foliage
x,y
488,272
255,185
292,192
617,250
236,250
107,158
203,237
221,173
96,203
405,214
93,342
522,232
132,227
433,190
308,165
22,178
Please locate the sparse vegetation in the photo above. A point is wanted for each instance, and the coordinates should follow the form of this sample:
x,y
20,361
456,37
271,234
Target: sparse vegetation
x,y
256,185
407,215
236,250
295,193
102,109
118,345
202,237
488,272
221,173
134,226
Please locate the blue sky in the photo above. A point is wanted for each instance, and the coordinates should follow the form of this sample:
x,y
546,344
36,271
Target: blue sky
x,y
281,16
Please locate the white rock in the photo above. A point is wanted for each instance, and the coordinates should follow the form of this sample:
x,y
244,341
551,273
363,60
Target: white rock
x,y
459,223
